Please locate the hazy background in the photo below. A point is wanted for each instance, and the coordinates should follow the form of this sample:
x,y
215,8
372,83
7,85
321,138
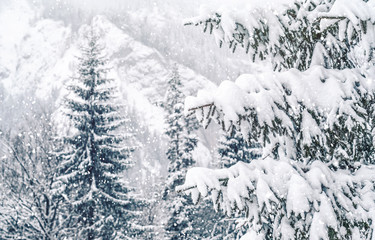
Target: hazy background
x,y
39,44
157,23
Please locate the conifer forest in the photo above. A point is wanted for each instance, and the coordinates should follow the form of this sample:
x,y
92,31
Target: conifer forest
x,y
187,120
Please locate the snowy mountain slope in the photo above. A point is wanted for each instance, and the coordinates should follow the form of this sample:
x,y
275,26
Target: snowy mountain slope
x,y
143,71
160,25
11,35
41,58
45,59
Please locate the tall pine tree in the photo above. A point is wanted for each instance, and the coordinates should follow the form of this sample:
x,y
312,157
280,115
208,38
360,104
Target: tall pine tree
x,y
182,142
185,221
96,155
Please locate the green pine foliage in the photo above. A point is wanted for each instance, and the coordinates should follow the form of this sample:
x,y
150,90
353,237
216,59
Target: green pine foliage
x,y
313,117
234,148
95,156
184,221
182,142
289,36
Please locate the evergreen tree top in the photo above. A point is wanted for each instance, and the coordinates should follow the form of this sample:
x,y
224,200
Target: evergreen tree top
x,y
98,151
181,143
174,80
174,98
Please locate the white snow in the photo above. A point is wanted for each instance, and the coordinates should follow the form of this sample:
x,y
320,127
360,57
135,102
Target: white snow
x,y
301,192
322,91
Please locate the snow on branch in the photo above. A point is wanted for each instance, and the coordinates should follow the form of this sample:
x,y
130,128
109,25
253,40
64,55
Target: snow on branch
x,y
287,34
314,117
292,114
283,192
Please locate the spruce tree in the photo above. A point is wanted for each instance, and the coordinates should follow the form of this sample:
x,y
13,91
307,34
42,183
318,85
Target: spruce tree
x,y
313,116
182,142
185,221
96,154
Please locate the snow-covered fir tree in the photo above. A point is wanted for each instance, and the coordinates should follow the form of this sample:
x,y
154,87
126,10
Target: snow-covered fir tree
x,y
184,221
233,148
94,157
314,119
182,142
